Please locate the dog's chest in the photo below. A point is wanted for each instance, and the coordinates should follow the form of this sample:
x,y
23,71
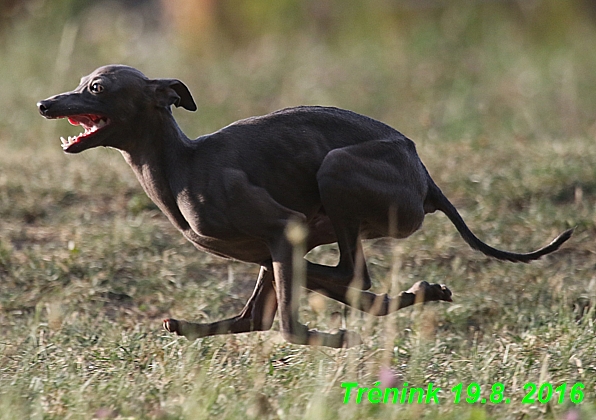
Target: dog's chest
x,y
206,224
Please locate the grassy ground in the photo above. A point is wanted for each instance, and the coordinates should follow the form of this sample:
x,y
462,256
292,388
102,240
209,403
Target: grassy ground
x,y
504,119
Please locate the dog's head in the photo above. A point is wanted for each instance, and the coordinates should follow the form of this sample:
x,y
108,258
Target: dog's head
x,y
112,104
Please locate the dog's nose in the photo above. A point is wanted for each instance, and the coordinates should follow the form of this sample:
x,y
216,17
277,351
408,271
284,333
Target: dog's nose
x,y
43,107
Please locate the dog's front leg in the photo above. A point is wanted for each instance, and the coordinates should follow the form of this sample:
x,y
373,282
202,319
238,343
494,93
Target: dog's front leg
x,y
257,315
288,296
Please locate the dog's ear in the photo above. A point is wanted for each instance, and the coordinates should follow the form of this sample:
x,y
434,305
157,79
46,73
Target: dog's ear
x,y
173,92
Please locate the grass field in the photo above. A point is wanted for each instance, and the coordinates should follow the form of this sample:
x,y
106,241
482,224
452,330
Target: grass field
x,y
502,107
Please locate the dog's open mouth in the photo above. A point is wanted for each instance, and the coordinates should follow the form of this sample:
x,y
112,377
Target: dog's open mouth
x,y
90,122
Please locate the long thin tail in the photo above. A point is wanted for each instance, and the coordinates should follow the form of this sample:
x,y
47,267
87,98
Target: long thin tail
x,y
437,199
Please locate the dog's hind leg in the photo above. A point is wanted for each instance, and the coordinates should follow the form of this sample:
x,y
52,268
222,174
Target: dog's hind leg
x,y
257,315
351,269
380,304
372,189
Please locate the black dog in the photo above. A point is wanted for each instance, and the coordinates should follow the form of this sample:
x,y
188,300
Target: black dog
x,y
344,176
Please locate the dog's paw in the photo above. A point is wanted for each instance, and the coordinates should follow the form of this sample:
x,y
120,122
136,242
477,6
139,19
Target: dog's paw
x,y
190,330
443,292
171,325
426,292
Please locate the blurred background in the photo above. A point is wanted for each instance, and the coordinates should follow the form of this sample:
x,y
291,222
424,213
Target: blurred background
x,y
457,68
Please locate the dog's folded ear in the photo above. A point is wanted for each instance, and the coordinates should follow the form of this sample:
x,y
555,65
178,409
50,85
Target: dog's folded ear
x,y
172,92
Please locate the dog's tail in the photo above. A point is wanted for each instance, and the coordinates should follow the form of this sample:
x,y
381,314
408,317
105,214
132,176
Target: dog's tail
x,y
436,200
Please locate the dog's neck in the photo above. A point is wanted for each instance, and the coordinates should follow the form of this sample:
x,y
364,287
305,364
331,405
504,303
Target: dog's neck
x,y
154,157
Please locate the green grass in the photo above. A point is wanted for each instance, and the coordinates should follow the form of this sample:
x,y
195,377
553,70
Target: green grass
x,y
502,108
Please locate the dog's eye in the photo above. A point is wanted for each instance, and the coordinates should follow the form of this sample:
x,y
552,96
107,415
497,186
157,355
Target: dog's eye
x,y
96,87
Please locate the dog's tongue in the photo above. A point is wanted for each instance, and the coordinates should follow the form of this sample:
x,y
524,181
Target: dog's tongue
x,y
80,120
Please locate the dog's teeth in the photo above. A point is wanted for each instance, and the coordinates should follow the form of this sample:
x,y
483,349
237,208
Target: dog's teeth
x,y
63,140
